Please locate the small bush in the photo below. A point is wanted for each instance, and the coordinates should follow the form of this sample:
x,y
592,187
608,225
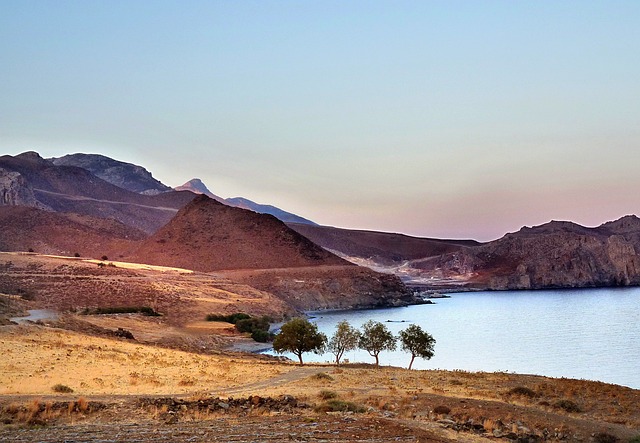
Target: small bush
x,y
253,324
323,376
442,409
328,395
144,310
104,258
30,249
340,406
523,391
77,254
262,336
61,388
604,437
231,318
567,405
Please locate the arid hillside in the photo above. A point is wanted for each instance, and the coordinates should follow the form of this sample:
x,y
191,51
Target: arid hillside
x,y
24,228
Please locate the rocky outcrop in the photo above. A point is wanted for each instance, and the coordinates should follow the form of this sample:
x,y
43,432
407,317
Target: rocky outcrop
x,y
554,255
15,191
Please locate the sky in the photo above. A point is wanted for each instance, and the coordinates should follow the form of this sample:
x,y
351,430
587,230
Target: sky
x,y
448,119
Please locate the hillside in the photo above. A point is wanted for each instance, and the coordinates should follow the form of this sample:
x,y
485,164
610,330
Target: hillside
x,y
381,247
24,228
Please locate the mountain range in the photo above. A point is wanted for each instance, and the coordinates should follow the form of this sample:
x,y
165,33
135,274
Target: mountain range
x,y
95,205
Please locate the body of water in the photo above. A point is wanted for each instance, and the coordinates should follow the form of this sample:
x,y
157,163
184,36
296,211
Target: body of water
x,y
589,334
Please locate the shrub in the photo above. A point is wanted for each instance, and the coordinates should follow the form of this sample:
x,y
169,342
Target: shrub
x,y
323,376
328,395
258,327
61,388
104,258
144,310
262,336
523,391
442,409
30,249
231,318
339,406
567,405
604,437
253,324
77,254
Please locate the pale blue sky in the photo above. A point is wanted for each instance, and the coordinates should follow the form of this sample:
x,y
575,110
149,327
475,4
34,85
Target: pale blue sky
x,y
433,118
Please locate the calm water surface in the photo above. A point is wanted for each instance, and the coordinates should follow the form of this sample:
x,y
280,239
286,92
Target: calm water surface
x,y
592,334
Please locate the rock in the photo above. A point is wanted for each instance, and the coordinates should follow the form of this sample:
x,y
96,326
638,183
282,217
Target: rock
x,y
15,191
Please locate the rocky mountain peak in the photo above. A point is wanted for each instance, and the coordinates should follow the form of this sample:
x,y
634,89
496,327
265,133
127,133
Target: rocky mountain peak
x,y
196,186
128,176
32,156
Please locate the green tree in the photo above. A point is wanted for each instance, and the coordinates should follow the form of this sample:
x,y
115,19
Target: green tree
x,y
376,338
345,339
418,342
299,336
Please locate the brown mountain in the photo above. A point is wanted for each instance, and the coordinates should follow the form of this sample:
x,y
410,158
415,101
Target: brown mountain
x,y
553,255
207,235
74,189
261,251
23,228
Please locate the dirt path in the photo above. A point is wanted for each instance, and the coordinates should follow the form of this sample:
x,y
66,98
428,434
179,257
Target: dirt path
x,y
83,198
296,374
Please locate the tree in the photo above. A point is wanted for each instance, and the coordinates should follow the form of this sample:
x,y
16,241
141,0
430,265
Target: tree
x,y
376,338
418,342
299,336
345,339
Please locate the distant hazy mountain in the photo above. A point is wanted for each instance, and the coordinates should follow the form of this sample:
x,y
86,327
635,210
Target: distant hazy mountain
x,y
124,175
196,186
285,216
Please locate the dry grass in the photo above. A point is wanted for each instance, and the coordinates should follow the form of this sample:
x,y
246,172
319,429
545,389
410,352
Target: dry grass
x,y
497,402
38,355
